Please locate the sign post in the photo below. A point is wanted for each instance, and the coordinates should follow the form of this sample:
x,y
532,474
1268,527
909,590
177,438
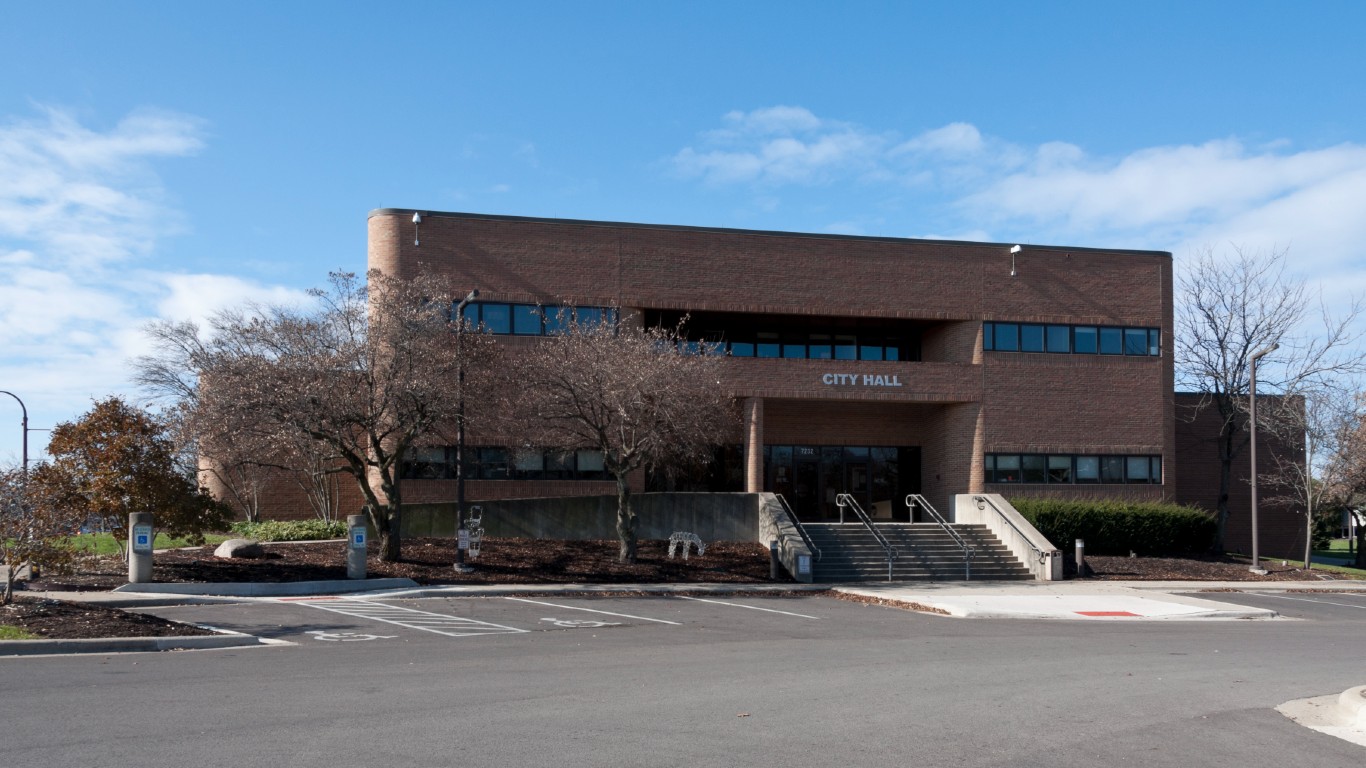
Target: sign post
x,y
140,547
355,546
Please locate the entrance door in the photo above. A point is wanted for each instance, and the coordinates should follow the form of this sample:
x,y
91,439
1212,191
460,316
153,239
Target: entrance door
x,y
806,484
856,484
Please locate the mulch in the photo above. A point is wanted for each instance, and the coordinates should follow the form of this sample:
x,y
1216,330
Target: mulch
x,y
502,561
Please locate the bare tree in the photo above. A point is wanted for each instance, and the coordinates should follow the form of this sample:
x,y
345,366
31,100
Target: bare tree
x,y
348,386
32,531
1234,307
1350,471
623,390
1325,419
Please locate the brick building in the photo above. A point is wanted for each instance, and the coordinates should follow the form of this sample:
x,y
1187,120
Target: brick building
x,y
870,365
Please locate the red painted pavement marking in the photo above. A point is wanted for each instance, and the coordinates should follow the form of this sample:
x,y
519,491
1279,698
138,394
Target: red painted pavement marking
x,y
1106,613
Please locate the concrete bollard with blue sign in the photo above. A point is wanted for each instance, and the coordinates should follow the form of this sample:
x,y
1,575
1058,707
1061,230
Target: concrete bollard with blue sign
x,y
355,546
140,538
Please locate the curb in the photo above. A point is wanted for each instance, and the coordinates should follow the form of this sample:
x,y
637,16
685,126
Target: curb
x,y
131,644
265,589
1352,702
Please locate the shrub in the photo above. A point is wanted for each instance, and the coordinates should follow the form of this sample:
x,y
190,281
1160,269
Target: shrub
x,y
290,530
1118,527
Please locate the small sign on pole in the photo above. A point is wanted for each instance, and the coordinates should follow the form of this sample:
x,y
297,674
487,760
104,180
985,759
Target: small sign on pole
x,y
463,541
142,538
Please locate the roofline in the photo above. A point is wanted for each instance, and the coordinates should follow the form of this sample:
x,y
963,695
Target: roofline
x,y
754,232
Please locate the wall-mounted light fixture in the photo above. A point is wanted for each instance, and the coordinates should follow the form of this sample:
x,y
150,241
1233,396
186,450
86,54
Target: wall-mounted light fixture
x,y
417,219
1014,249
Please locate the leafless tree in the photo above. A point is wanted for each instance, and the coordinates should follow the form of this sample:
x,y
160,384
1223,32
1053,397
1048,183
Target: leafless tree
x,y
1316,482
623,390
348,385
32,531
1232,307
1350,471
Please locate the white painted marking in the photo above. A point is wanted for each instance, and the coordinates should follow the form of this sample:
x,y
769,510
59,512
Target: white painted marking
x,y
751,607
582,623
590,610
426,621
1310,600
346,637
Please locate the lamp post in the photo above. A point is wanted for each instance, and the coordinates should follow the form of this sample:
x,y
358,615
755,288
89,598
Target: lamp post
x,y
23,424
460,566
1252,417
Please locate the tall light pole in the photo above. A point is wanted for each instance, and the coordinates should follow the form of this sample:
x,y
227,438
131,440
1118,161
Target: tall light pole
x,y
23,424
460,566
1252,417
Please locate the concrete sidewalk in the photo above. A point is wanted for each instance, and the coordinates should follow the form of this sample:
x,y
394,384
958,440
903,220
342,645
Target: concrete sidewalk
x,y
1070,600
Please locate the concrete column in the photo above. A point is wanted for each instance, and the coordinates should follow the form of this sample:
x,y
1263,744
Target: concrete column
x,y
754,444
140,535
355,546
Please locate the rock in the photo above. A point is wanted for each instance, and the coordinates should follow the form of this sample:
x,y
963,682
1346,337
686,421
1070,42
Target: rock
x,y
242,548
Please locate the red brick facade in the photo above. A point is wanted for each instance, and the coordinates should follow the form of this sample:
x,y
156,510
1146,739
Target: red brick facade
x,y
955,404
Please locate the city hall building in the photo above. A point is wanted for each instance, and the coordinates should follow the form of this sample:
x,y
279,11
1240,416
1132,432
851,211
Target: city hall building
x,y
875,366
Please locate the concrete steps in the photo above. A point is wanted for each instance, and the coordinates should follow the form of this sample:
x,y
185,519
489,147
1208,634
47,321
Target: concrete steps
x,y
850,553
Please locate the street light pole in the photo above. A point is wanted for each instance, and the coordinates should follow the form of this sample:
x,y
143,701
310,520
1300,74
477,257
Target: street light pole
x,y
460,566
1252,416
23,424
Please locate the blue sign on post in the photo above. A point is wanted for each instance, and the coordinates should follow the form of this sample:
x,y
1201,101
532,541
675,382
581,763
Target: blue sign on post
x,y
358,538
142,538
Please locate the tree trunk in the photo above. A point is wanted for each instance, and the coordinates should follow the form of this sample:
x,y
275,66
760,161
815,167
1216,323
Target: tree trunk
x,y
1226,437
385,522
626,522
1361,547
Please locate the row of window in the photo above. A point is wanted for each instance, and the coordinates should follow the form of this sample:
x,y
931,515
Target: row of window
x,y
483,463
814,346
1069,469
533,320
1071,339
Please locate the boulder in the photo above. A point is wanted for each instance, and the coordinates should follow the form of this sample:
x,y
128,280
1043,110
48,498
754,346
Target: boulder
x,y
241,548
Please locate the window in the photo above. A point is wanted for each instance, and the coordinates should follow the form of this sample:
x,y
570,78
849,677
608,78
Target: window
x,y
1154,342
1059,338
496,318
532,320
1135,341
1084,339
1059,469
1007,337
1112,341
1088,469
741,349
1031,338
1067,469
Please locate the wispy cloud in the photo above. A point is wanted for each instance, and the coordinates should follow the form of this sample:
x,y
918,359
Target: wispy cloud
x,y
81,210
1176,197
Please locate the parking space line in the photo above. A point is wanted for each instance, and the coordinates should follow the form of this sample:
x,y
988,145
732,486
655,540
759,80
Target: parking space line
x,y
591,610
751,607
1309,600
411,618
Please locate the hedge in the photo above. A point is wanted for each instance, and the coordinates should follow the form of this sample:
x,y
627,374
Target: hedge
x,y
1119,527
291,530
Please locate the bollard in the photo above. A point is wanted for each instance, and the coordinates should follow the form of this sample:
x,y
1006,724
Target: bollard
x,y
773,562
1081,559
139,547
355,547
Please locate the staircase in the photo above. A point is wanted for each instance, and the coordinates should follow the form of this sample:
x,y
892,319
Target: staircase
x,y
927,552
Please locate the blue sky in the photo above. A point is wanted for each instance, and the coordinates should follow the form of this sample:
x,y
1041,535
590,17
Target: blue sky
x,y
164,159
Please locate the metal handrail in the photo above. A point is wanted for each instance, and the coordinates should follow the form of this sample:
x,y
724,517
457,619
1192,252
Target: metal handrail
x,y
1043,556
806,537
843,500
915,498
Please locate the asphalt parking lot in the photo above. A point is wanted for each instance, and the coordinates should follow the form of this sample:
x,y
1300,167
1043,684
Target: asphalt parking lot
x,y
349,620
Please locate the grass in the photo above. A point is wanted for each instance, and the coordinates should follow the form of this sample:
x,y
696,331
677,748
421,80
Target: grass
x,y
15,633
1336,548
1338,569
104,543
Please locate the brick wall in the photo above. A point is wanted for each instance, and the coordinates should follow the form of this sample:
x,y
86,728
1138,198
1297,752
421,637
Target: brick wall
x,y
1280,526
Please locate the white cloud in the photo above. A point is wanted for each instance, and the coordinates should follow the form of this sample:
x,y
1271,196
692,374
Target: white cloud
x,y
779,145
80,208
1177,197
